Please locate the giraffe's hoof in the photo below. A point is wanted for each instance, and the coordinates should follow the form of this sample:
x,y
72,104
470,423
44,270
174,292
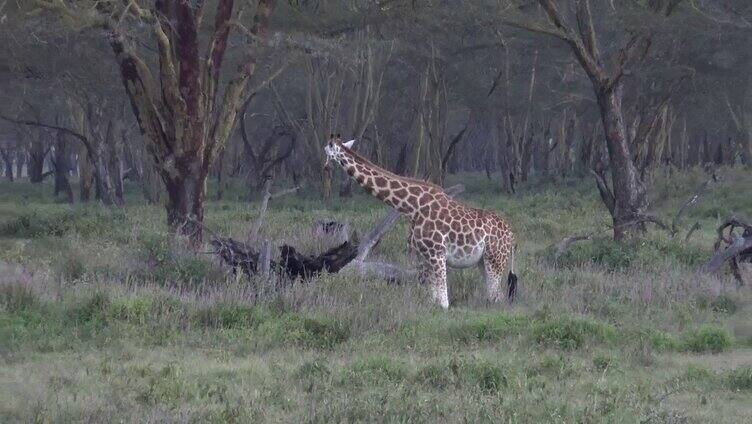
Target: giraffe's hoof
x,y
496,299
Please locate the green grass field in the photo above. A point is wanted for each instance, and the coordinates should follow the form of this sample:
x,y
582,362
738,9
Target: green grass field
x,y
104,318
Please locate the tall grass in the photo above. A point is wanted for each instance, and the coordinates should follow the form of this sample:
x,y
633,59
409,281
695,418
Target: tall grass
x,y
105,317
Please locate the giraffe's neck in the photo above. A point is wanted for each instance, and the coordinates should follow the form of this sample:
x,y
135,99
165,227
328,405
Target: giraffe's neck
x,y
401,193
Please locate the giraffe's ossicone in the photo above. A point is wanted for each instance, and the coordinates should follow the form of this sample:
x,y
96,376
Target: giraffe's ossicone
x,y
443,232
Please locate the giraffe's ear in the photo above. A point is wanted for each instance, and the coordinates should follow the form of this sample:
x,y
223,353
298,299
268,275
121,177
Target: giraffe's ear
x,y
349,144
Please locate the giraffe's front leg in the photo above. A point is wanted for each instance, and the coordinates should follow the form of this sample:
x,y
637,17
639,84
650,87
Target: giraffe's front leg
x,y
433,273
410,249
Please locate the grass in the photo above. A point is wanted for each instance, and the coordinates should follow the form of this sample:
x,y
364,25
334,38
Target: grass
x,y
105,318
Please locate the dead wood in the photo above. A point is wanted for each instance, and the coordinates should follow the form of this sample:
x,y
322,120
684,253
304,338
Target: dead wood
x,y
731,246
692,201
383,271
349,254
236,255
264,205
692,229
293,264
296,265
564,245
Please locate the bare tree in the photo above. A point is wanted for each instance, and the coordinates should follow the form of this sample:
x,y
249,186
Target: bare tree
x,y
175,102
625,197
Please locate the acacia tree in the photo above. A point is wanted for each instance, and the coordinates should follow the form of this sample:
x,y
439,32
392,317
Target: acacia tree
x,y
176,100
625,198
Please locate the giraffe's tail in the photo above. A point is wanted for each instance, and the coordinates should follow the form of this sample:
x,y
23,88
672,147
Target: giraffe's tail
x,y
511,279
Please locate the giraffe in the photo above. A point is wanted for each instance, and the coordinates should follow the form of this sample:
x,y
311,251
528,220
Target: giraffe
x,y
443,232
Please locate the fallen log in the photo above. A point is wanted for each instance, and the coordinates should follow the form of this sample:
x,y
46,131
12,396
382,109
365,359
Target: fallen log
x,y
295,265
292,263
236,255
737,248
349,255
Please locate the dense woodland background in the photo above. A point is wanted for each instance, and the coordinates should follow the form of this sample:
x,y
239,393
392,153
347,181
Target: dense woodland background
x,y
582,122
170,93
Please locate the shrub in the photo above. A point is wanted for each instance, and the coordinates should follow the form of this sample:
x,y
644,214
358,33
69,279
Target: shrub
x,y
313,370
724,304
602,251
484,375
740,379
94,308
17,297
603,361
57,221
377,369
478,329
558,366
696,374
324,333
618,255
228,315
132,309
659,340
571,333
170,261
434,375
707,339
312,332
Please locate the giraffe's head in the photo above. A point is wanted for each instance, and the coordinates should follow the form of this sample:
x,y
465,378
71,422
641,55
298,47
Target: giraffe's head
x,y
335,148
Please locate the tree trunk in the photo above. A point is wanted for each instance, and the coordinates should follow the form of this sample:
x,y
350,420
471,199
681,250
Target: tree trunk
x,y
221,181
20,160
9,169
326,181
186,193
8,160
62,168
85,175
629,200
35,167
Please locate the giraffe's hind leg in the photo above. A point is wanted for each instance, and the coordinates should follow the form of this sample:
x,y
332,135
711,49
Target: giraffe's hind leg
x,y
494,264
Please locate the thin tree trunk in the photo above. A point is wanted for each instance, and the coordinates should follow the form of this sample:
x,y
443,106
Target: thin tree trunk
x,y
35,168
8,160
629,196
62,167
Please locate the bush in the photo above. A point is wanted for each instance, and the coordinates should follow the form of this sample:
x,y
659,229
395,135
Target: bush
x,y
95,308
740,379
603,361
378,369
722,304
486,376
17,297
323,333
312,332
480,329
170,261
434,375
132,309
311,371
659,340
603,251
695,374
707,339
619,255
57,221
571,333
227,315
